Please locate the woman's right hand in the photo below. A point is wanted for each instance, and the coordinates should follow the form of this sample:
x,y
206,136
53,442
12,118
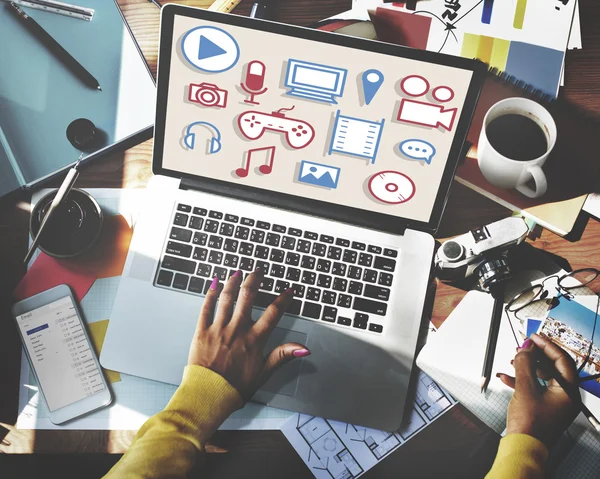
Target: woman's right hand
x,y
544,413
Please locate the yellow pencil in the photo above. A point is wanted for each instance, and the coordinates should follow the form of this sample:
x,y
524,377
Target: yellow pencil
x,y
225,6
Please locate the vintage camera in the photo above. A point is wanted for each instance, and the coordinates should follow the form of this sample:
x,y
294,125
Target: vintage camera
x,y
481,251
208,94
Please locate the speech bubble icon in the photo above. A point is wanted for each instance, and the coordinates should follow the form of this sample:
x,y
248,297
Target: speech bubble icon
x,y
418,150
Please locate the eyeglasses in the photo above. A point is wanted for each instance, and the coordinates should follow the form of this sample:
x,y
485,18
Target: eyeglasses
x,y
534,302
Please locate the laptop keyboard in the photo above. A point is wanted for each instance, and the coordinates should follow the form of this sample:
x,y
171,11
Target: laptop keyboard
x,y
335,280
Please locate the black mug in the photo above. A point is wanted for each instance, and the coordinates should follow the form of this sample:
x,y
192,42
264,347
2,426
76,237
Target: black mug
x,y
72,229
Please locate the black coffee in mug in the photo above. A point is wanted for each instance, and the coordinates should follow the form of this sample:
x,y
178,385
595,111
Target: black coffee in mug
x,y
517,137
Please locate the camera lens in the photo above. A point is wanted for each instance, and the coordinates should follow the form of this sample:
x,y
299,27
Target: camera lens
x,y
208,97
452,250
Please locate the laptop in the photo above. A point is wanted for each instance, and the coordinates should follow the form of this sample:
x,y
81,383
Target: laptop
x,y
334,194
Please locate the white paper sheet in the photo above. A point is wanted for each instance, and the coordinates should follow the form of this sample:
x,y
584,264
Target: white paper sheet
x,y
341,450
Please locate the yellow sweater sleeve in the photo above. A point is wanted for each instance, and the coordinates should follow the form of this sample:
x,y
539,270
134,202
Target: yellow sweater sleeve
x,y
519,457
169,443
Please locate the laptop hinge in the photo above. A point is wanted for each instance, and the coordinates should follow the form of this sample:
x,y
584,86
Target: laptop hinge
x,y
187,184
232,192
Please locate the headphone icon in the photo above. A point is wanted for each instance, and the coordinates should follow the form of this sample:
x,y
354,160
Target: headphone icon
x,y
190,138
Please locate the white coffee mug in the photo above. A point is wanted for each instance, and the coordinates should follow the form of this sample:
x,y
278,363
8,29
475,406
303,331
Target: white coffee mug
x,y
505,172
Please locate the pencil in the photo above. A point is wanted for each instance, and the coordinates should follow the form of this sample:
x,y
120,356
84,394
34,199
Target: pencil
x,y
497,292
224,6
57,50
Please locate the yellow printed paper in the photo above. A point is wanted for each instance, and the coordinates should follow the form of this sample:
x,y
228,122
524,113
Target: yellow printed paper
x,y
97,332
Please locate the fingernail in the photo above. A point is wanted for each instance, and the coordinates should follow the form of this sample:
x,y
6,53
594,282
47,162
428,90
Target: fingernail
x,y
289,291
215,283
527,344
236,274
300,353
498,375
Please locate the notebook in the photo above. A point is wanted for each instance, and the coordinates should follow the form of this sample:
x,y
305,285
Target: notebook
x,y
39,97
453,357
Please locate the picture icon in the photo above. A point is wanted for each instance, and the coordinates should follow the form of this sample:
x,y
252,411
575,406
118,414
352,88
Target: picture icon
x,y
423,113
319,175
210,49
391,187
356,137
418,150
372,81
315,82
207,94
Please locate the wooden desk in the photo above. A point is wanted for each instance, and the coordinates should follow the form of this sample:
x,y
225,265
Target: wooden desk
x,y
458,443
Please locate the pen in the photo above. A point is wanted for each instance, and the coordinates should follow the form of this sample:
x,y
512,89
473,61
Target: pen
x,y
259,10
575,397
497,292
51,44
61,194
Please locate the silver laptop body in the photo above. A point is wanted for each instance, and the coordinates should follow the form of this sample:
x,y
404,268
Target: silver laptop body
x,y
363,341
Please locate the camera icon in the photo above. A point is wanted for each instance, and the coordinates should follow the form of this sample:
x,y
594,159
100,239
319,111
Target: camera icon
x,y
208,94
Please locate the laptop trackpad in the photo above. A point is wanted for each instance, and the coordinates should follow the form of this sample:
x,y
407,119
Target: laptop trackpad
x,y
285,380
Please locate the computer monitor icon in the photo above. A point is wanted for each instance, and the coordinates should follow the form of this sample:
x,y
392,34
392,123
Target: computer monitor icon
x,y
314,81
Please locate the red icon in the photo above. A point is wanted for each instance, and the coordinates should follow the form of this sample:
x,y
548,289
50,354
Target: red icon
x,y
298,133
264,169
423,113
255,81
208,94
391,187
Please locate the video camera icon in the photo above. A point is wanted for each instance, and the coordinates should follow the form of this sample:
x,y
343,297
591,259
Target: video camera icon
x,y
423,113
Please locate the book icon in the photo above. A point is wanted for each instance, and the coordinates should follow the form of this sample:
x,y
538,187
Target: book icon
x,y
319,175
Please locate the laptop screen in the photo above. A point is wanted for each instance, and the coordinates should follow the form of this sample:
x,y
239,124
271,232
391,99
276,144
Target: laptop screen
x,y
278,113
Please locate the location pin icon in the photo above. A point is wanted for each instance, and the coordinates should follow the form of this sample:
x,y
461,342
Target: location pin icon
x,y
372,81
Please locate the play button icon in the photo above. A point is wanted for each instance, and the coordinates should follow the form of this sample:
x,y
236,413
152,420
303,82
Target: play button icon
x,y
210,49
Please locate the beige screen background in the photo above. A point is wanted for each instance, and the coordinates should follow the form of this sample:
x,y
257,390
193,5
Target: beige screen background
x,y
274,51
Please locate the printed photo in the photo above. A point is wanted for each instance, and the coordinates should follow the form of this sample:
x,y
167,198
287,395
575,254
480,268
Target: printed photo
x,y
571,325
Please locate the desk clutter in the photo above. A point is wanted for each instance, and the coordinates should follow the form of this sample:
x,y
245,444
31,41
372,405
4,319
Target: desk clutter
x,y
73,81
550,191
526,59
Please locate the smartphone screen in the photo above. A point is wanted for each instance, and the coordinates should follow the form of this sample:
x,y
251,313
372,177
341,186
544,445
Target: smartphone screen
x,y
60,353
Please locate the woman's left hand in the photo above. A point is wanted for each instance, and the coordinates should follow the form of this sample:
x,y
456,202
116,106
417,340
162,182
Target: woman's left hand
x,y
231,344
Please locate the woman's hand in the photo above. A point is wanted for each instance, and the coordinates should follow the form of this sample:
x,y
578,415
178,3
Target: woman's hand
x,y
544,413
232,344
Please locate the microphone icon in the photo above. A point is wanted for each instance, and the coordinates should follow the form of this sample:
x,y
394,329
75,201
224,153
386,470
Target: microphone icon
x,y
255,81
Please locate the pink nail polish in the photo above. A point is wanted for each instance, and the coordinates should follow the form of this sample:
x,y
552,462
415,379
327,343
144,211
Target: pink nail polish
x,y
236,274
300,353
527,344
215,283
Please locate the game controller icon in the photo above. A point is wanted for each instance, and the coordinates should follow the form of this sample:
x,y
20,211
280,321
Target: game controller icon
x,y
298,133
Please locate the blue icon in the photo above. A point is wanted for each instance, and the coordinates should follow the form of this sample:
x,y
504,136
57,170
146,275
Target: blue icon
x,y
418,150
210,49
319,175
189,138
315,82
372,81
356,137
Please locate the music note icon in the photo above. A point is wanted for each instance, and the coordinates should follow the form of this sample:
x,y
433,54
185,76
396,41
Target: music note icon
x,y
264,169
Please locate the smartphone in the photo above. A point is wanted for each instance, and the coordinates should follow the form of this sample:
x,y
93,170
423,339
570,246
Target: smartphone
x,y
61,354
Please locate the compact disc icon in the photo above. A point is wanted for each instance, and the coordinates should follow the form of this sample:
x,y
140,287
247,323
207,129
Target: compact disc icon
x,y
391,187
